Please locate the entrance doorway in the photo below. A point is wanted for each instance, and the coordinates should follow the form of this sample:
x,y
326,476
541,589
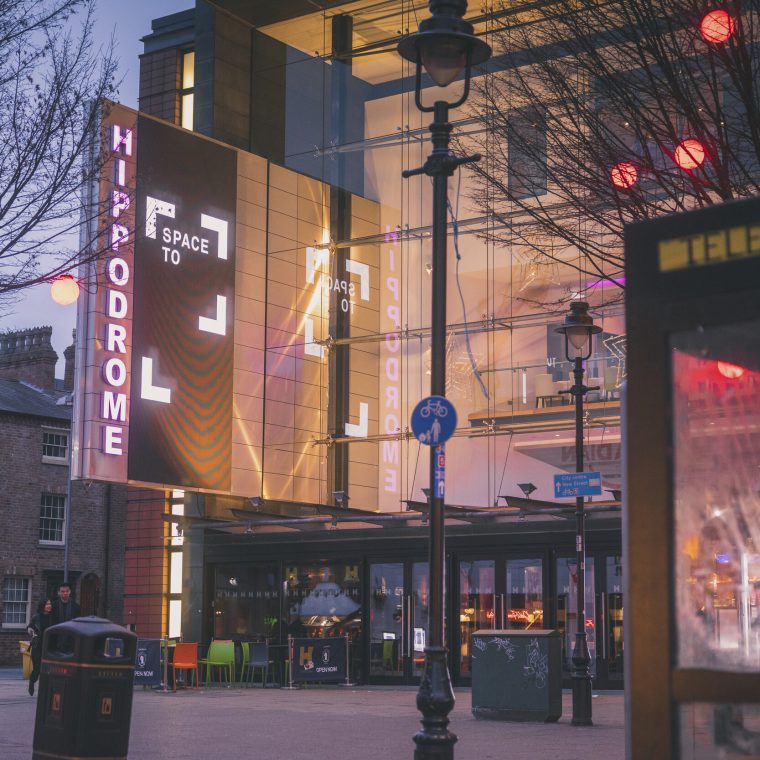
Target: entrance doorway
x,y
604,615
398,620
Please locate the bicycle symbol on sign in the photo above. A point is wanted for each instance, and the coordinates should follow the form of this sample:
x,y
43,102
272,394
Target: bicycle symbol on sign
x,y
434,406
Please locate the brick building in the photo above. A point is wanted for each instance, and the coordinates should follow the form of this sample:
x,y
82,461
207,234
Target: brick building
x,y
35,420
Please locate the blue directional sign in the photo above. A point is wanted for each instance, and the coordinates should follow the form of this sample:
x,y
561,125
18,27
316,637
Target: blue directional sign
x,y
577,484
434,420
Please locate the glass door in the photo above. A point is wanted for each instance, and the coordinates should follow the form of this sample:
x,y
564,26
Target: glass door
x,y
417,615
477,605
567,596
398,620
610,624
387,602
523,601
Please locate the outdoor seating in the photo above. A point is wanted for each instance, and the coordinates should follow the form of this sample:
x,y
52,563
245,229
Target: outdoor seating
x,y
185,658
221,656
258,659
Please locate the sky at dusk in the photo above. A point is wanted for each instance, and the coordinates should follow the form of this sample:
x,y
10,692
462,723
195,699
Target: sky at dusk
x,y
127,22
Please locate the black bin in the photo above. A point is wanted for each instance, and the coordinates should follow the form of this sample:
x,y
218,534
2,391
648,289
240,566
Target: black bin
x,y
84,705
517,675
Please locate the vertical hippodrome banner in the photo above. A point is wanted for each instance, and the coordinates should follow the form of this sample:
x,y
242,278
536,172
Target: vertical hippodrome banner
x,y
156,324
201,315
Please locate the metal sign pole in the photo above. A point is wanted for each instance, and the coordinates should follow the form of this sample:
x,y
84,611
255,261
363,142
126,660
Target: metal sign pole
x,y
290,663
165,646
348,663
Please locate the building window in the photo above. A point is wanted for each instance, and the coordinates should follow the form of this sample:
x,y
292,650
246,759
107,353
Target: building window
x,y
16,602
187,96
55,446
52,518
526,149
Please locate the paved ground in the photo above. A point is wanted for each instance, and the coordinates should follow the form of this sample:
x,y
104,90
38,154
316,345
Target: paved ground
x,y
369,723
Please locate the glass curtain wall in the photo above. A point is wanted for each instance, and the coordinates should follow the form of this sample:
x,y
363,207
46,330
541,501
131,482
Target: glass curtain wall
x,y
350,121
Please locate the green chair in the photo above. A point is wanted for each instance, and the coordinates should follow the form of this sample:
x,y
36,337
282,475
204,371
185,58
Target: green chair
x,y
221,655
388,658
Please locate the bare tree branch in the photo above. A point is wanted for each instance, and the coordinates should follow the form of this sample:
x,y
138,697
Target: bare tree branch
x,y
621,82
52,84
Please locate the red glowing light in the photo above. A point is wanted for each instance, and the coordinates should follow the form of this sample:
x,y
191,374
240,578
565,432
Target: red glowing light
x,y
64,290
624,175
690,154
730,371
716,26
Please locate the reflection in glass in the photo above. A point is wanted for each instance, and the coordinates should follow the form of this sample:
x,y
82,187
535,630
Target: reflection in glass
x,y
476,605
386,618
246,602
419,619
567,585
613,616
325,600
716,437
524,599
709,731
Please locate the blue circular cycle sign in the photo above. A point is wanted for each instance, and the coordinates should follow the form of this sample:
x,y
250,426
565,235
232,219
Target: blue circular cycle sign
x,y
434,420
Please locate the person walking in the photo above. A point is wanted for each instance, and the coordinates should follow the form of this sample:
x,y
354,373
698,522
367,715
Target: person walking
x,y
41,621
64,607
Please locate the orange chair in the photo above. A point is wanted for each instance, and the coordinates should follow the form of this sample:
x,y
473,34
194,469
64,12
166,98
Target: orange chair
x,y
185,658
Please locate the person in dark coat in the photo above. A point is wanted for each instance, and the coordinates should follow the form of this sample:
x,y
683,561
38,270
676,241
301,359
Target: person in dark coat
x,y
41,621
64,607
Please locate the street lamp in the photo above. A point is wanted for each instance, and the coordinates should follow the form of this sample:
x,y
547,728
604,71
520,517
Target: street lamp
x,y
445,46
578,328
64,290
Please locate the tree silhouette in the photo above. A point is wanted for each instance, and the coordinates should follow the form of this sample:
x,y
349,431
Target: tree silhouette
x,y
596,114
52,82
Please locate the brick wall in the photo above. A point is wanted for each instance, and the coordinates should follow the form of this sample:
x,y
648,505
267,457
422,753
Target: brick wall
x,y
145,563
28,355
98,527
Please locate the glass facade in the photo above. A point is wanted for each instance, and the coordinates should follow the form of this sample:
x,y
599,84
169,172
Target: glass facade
x,y
246,603
346,116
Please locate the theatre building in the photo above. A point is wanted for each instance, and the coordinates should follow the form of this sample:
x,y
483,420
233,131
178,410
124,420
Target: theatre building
x,y
261,335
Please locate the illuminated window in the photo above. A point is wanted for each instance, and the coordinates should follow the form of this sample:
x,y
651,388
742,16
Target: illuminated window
x,y
16,602
52,518
176,506
187,96
55,446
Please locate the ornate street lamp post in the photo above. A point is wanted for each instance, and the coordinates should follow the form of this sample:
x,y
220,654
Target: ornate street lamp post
x,y
445,46
578,328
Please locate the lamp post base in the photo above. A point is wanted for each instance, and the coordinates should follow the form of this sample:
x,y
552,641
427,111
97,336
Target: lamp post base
x,y
435,700
581,683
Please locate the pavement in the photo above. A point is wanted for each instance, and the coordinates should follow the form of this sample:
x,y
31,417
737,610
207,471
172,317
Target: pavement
x,y
365,722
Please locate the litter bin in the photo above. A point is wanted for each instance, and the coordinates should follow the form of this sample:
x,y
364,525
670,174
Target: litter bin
x,y
84,704
517,675
26,659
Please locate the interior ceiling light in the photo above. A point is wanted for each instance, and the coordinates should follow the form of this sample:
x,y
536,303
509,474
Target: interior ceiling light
x,y
690,154
624,175
717,26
